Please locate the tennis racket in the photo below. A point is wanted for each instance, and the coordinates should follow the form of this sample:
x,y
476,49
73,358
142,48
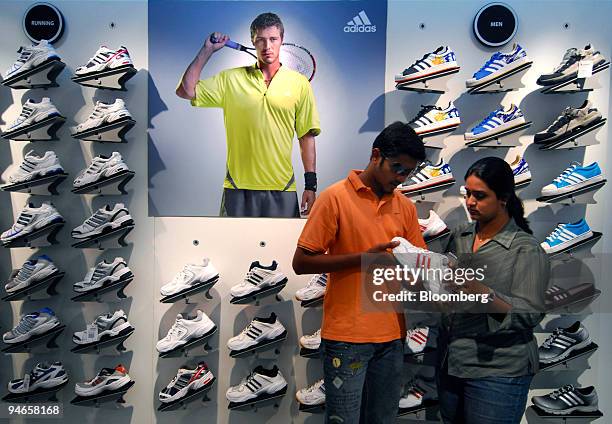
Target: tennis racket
x,y
293,56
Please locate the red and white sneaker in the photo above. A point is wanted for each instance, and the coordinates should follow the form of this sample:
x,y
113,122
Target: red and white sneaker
x,y
432,226
108,379
416,339
186,380
414,395
104,60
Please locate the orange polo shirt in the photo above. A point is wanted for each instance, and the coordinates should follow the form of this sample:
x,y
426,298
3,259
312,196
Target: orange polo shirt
x,y
348,217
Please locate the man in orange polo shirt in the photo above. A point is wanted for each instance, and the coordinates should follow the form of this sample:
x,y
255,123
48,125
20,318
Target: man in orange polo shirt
x,y
362,350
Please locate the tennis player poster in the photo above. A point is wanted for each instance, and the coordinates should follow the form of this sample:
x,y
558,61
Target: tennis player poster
x,y
241,138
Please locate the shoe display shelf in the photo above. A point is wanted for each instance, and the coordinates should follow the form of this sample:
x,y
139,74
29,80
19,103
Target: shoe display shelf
x,y
42,76
579,85
110,396
43,237
114,185
255,297
113,79
584,195
576,415
36,396
96,295
583,138
45,130
433,194
438,139
115,132
510,81
592,347
507,138
202,392
46,284
576,306
312,409
45,341
443,234
435,84
261,347
192,291
115,343
185,350
43,186
259,402
312,303
562,254
109,239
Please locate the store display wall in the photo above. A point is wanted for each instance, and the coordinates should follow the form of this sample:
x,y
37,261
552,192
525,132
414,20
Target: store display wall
x,y
159,247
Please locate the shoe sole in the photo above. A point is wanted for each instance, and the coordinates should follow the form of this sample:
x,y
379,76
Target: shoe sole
x,y
565,354
124,221
430,183
115,385
569,243
442,68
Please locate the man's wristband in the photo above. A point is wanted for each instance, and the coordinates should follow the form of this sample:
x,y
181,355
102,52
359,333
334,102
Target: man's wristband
x,y
310,181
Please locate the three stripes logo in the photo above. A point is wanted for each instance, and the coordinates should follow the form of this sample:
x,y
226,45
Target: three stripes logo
x,y
360,23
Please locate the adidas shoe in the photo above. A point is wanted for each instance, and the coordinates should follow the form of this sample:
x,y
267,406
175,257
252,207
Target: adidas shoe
x,y
568,68
103,113
427,176
311,342
258,331
185,381
562,342
433,118
260,382
416,339
104,60
103,274
568,399
258,278
101,168
34,166
315,289
571,121
31,219
414,395
42,376
31,113
432,225
108,379
573,178
499,120
103,220
30,57
313,395
499,65
414,257
563,297
566,235
30,273
185,330
103,327
192,275
440,60
30,325
520,170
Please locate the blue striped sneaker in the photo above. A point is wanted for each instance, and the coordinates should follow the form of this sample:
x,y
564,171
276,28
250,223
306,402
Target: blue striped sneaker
x,y
498,65
574,177
440,60
499,120
520,170
566,235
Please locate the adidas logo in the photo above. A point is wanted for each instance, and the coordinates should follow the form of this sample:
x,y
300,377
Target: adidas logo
x,y
360,23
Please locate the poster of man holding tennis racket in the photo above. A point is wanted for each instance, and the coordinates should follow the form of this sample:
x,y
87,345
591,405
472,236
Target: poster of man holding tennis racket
x,y
264,105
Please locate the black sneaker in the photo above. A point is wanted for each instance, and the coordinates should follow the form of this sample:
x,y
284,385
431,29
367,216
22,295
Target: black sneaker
x,y
570,295
562,342
568,399
568,68
571,121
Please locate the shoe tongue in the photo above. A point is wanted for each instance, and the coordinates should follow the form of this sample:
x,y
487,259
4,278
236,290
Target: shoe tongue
x,y
179,317
260,370
255,264
106,371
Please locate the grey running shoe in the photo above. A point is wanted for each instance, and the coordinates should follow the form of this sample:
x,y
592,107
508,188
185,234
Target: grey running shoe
x,y
103,220
31,272
568,399
568,68
103,327
562,342
31,219
569,122
31,325
103,274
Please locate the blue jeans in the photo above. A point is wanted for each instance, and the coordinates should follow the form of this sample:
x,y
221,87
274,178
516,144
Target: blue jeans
x,y
488,400
362,381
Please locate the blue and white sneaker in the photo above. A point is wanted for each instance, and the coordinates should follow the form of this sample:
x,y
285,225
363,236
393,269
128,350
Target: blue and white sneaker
x,y
433,118
520,170
440,60
498,65
499,120
573,178
566,235
428,176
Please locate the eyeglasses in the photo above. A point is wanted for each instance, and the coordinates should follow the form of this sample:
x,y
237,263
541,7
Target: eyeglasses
x,y
400,169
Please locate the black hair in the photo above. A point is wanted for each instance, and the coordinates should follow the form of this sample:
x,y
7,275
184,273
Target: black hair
x,y
497,175
400,139
267,20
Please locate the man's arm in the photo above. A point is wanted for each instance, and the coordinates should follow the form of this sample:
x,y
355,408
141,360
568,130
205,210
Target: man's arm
x,y
309,160
186,88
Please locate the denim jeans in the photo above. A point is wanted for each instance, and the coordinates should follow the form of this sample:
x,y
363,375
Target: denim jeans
x,y
488,400
362,381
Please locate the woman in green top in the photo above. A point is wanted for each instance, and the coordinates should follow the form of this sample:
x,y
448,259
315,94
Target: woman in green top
x,y
489,355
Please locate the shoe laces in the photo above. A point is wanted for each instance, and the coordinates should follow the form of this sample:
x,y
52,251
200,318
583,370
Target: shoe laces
x,y
25,325
563,119
249,278
565,389
174,330
557,231
551,339
569,54
314,387
567,172
496,56
25,272
424,110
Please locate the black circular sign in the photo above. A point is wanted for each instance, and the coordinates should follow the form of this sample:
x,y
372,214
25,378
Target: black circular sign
x,y
43,21
495,24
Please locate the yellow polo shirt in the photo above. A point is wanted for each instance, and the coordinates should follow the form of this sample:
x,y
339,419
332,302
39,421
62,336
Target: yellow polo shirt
x,y
260,123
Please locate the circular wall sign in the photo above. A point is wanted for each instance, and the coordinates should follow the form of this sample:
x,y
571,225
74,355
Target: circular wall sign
x,y
495,24
43,21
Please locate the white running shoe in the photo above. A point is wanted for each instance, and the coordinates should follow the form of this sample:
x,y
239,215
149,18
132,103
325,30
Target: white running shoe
x,y
101,168
30,57
429,175
186,380
108,379
31,272
31,219
31,113
103,219
42,376
34,166
184,330
103,274
432,225
260,382
103,327
192,275
416,339
313,395
104,60
258,331
312,342
30,325
315,288
414,395
103,113
258,278
432,263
